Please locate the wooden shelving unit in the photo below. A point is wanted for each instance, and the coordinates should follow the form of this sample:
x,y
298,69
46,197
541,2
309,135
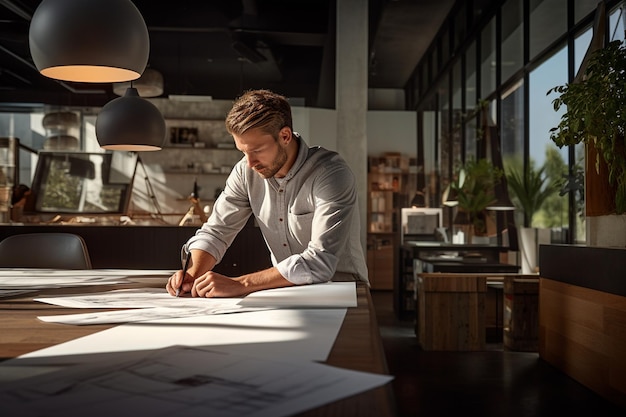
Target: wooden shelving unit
x,y
388,186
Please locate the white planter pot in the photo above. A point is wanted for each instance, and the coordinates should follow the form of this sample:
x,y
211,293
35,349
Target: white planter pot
x,y
529,240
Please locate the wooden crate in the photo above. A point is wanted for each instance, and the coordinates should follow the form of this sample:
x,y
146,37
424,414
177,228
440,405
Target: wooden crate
x,y
521,314
451,311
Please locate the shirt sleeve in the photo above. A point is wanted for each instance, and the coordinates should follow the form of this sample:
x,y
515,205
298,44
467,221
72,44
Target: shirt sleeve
x,y
230,213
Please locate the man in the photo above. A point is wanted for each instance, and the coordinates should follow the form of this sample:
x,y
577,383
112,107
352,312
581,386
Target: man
x,y
303,198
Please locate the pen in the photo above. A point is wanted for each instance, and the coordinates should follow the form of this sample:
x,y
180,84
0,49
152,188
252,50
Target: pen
x,y
180,288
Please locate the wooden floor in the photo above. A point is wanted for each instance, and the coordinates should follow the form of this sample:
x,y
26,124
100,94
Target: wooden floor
x,y
487,384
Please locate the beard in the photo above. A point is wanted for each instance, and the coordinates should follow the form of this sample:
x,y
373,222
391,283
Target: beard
x,y
277,164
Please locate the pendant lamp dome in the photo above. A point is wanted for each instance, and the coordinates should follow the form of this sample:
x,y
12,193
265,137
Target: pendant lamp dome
x,y
89,41
130,123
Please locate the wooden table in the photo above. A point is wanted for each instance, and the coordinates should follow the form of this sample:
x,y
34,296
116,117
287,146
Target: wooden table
x,y
358,345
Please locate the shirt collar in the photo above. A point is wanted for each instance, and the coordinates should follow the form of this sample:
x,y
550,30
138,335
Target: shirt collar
x,y
303,152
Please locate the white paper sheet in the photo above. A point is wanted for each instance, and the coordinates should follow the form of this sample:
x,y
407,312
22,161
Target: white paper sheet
x,y
330,294
289,334
185,382
13,293
143,314
134,298
155,303
36,278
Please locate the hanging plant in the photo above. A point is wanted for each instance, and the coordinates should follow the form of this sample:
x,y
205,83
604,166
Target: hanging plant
x,y
596,114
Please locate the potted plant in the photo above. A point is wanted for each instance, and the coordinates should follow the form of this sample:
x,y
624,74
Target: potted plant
x,y
474,187
530,188
596,116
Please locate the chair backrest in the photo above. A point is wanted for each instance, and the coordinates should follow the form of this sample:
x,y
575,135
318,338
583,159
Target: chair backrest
x,y
44,250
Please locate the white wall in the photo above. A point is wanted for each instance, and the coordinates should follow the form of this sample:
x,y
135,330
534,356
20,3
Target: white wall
x,y
317,126
392,131
387,131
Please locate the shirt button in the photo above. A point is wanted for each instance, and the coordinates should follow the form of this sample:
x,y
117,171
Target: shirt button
x,y
280,220
284,244
280,191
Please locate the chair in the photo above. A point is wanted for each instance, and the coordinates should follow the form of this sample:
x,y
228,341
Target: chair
x,y
44,250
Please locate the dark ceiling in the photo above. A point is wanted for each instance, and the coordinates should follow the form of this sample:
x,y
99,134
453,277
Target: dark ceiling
x,y
203,48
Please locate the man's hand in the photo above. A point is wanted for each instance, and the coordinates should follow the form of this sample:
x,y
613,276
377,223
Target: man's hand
x,y
213,284
200,261
173,283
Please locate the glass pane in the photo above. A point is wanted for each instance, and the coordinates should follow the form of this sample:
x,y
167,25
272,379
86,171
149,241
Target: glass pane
x,y
512,38
429,133
470,77
512,124
460,22
457,96
488,59
616,23
548,21
445,143
581,44
582,8
427,72
470,137
543,152
445,47
512,134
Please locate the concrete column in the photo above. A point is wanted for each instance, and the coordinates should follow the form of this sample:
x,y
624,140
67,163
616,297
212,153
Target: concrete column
x,y
351,94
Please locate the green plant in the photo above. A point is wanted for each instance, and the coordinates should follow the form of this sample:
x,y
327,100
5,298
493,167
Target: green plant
x,y
474,187
596,114
530,188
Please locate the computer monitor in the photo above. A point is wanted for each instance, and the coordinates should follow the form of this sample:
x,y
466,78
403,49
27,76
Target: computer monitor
x,y
421,223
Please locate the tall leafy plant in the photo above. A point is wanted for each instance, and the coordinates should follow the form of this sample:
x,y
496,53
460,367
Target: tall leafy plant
x,y
596,114
530,188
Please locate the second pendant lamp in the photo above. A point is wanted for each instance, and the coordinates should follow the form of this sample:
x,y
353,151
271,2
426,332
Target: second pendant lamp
x,y
130,123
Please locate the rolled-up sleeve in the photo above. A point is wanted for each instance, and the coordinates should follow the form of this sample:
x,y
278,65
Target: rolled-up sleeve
x,y
230,214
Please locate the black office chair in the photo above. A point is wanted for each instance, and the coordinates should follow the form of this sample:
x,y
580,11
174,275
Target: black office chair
x,y
44,250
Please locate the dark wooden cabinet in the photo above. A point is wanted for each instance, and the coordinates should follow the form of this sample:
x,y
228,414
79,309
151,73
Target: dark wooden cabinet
x,y
155,247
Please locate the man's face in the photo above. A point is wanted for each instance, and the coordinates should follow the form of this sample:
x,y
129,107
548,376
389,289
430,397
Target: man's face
x,y
264,153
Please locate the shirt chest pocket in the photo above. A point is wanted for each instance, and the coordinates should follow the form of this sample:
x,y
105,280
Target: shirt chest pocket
x,y
300,226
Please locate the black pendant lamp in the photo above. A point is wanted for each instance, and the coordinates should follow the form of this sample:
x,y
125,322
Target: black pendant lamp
x,y
130,123
89,40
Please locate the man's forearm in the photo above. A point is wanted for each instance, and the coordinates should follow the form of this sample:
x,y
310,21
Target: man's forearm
x,y
201,262
263,280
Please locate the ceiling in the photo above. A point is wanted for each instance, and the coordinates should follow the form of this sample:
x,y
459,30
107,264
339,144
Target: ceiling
x,y
220,48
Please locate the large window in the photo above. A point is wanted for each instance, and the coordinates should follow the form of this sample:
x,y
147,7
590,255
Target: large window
x,y
533,57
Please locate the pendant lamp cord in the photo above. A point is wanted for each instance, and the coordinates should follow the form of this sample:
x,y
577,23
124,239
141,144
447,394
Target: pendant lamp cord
x,y
149,189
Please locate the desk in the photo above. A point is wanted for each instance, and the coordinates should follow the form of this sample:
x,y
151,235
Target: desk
x,y
358,345
417,257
